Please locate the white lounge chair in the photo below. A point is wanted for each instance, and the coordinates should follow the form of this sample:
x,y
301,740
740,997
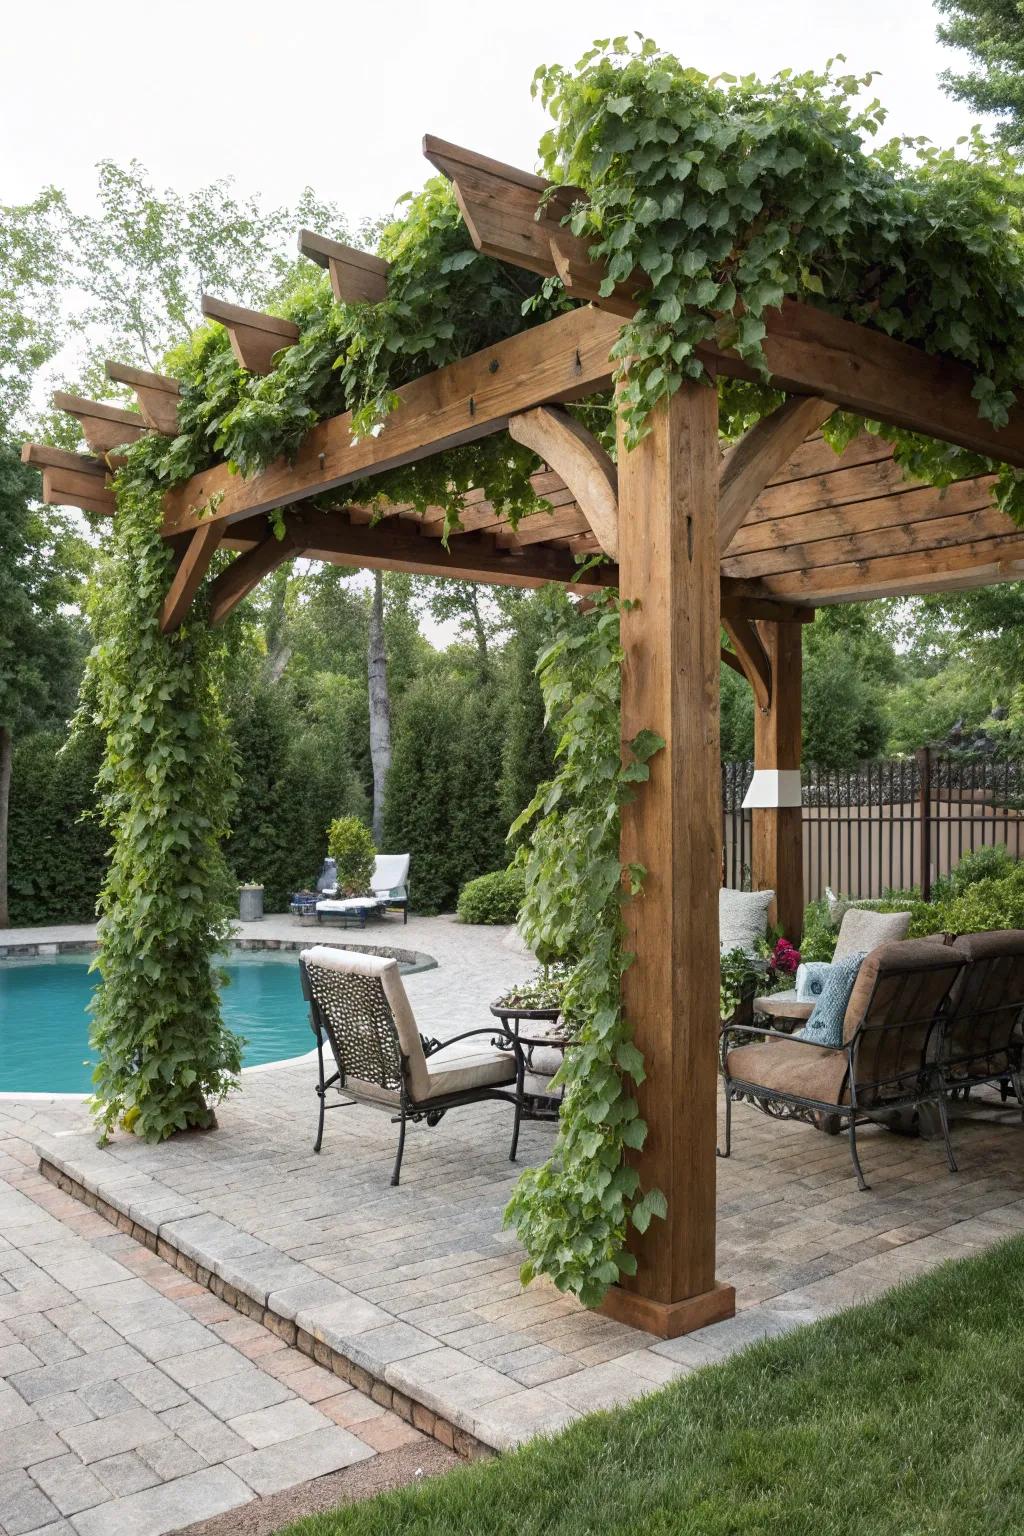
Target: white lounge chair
x,y
389,892
358,1006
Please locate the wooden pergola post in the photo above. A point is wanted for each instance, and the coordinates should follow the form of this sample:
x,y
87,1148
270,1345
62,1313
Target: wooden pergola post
x,y
669,564
776,816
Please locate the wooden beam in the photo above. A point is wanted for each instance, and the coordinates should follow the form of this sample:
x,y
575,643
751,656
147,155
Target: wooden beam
x,y
576,455
256,339
914,504
105,427
730,659
539,527
739,602
978,563
668,488
563,359
776,843
356,276
936,533
752,657
156,393
807,350
817,457
749,464
195,563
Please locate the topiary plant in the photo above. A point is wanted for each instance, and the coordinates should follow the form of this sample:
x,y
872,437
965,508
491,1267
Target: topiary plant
x,y
350,845
494,898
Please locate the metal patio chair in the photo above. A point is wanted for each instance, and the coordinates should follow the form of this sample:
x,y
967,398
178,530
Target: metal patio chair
x,y
359,1008
983,1039
887,1061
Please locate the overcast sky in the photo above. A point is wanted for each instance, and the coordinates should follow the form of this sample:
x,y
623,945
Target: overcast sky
x,y
337,96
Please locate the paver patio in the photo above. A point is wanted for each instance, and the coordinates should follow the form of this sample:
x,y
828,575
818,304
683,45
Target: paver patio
x,y
419,1287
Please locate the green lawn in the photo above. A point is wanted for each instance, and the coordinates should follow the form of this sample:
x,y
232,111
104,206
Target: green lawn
x,y
905,1417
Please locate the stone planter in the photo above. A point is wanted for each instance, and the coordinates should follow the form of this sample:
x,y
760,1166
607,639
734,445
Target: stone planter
x,y
250,903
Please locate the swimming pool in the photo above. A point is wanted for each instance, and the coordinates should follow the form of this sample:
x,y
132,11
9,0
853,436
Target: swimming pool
x,y
44,1026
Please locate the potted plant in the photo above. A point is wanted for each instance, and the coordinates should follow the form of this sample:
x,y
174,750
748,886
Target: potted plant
x,y
350,845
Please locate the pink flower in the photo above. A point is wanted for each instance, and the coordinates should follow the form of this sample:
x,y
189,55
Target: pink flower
x,y
785,957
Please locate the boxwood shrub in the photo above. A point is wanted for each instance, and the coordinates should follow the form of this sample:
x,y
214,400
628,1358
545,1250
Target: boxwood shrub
x,y
494,898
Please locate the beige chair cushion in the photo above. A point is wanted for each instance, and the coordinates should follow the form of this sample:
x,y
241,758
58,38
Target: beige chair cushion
x,y
470,1064
742,918
792,1066
862,931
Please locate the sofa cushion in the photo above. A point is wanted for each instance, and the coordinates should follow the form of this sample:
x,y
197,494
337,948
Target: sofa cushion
x,y
825,1024
864,930
811,978
788,1065
469,1065
742,918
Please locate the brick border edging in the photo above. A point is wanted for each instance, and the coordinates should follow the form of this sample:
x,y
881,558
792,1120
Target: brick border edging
x,y
407,1408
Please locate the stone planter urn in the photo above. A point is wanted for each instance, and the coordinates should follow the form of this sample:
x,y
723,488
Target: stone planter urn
x,y
250,903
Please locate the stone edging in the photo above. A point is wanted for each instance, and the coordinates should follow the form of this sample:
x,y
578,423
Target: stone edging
x,y
408,1408
414,960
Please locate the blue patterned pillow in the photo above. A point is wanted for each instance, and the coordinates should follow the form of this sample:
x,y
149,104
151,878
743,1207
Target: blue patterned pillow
x,y
825,1025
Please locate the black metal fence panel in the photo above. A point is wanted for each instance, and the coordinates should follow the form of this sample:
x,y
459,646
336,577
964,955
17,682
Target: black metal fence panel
x,y
887,825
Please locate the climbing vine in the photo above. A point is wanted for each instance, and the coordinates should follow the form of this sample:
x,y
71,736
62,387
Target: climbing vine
x,y
572,1214
165,1058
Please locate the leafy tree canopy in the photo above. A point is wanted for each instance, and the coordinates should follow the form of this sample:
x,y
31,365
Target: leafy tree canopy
x,y
992,32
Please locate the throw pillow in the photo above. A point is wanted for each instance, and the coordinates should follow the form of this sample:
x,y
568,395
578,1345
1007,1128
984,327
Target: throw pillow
x,y
742,918
825,1025
811,978
864,930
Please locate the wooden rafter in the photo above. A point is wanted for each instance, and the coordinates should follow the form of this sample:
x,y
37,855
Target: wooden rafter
x,y
975,563
195,563
71,479
256,339
356,276
806,350
245,573
749,465
156,393
104,427
561,360
586,469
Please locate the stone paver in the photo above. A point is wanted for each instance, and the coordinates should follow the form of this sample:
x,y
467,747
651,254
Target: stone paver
x,y
419,1285
115,1386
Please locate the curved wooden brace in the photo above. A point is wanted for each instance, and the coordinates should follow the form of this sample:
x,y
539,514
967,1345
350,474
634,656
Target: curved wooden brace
x,y
759,455
195,563
577,456
247,571
752,658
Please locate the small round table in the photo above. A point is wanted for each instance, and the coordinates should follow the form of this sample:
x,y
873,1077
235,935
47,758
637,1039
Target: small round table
x,y
533,1106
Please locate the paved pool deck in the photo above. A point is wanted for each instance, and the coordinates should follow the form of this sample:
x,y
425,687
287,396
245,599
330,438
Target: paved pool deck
x,y
413,1293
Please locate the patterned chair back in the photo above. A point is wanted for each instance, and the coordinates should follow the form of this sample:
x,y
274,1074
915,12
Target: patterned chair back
x,y
358,1004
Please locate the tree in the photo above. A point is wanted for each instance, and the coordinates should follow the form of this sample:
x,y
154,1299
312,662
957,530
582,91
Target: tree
x,y
992,32
380,705
41,644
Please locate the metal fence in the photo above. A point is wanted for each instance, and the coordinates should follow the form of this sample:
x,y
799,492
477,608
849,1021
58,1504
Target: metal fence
x,y
887,825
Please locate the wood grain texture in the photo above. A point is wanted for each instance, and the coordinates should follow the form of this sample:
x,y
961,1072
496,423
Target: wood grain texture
x,y
752,658
807,350
256,338
356,276
749,464
194,564
157,395
776,847
583,465
978,563
563,359
105,427
245,573
668,488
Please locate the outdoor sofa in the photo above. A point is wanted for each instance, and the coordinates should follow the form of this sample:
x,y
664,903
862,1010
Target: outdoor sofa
x,y
360,1011
860,931
925,1019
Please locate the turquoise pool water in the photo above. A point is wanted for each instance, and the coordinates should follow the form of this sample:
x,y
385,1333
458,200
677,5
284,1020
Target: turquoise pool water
x,y
44,1027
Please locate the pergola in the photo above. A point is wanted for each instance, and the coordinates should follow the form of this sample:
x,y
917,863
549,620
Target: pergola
x,y
754,540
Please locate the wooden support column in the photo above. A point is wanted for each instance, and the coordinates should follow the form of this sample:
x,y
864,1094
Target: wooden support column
x,y
669,564
777,820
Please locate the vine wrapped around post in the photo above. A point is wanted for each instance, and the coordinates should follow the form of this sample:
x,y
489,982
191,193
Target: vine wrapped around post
x,y
572,1214
165,1056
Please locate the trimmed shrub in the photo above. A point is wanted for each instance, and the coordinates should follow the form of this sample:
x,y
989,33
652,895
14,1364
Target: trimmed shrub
x,y
494,898
58,848
350,845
